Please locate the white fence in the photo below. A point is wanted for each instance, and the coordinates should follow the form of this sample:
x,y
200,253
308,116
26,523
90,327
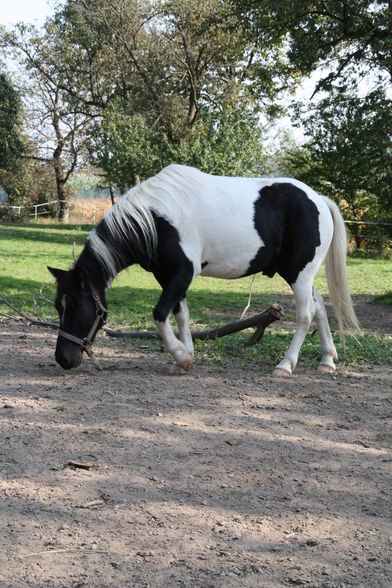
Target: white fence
x,y
35,207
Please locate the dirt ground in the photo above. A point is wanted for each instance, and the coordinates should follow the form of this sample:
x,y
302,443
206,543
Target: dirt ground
x,y
221,478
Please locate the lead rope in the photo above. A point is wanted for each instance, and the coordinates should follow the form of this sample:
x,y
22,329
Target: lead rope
x,y
249,298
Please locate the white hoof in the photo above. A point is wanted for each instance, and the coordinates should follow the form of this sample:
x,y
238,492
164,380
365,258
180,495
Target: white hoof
x,y
326,369
177,370
185,363
281,373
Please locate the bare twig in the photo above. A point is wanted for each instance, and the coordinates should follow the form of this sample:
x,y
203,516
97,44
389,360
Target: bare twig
x,y
41,295
55,551
10,316
35,311
259,321
28,319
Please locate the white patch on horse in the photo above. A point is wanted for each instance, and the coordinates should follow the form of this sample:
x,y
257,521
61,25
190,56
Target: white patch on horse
x,y
63,303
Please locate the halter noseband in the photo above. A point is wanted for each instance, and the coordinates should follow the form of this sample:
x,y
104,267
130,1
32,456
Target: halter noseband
x,y
86,343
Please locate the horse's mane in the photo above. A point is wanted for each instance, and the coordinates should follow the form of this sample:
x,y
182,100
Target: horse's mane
x,y
129,222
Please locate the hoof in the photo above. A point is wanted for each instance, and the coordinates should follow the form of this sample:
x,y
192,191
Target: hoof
x,y
326,369
183,365
177,370
186,362
281,373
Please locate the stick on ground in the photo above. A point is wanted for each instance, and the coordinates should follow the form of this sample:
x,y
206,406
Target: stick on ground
x,y
260,321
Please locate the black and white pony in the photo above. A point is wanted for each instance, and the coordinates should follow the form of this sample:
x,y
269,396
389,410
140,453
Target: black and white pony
x,y
183,223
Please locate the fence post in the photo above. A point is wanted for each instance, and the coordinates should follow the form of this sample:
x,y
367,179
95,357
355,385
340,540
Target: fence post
x,y
35,212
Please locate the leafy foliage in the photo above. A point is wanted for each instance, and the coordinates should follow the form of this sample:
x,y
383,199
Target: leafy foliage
x,y
349,154
227,142
349,129
11,144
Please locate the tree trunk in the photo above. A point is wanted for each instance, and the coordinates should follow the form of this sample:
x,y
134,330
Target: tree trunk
x,y
64,204
111,190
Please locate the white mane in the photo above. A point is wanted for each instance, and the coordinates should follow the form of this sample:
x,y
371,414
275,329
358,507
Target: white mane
x,y
129,217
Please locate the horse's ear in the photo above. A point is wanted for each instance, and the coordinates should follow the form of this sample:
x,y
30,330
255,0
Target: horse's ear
x,y
57,273
80,277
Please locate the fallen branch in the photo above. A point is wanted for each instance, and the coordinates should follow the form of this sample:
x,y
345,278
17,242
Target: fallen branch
x,y
260,321
30,320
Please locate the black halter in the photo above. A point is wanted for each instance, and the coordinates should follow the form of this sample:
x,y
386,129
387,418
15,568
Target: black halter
x,y
100,320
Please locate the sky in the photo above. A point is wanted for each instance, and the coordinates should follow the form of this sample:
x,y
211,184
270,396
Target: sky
x,y
32,11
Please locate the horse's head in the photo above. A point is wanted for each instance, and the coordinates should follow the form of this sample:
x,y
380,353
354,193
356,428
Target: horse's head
x,y
81,311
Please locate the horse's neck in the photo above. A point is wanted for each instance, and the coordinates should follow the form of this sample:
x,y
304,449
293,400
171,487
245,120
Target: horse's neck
x,y
94,269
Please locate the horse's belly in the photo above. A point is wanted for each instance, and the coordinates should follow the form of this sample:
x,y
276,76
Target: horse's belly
x,y
224,270
230,258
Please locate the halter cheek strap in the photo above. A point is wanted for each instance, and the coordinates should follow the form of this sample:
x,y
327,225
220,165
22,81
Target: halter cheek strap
x,y
86,343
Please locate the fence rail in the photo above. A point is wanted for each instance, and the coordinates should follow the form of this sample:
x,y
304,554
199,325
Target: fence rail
x,y
35,207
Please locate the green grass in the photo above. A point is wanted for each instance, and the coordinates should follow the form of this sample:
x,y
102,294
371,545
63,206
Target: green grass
x,y
383,299
27,249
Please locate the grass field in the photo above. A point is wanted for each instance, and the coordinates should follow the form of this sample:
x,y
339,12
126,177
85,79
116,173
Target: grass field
x,y
26,250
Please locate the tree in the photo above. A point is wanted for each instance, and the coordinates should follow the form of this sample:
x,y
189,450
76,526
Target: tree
x,y
224,142
55,124
11,144
349,125
351,151
158,76
31,183
344,33
349,155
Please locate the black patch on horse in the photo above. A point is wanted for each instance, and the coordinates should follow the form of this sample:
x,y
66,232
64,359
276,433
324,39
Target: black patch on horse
x,y
172,269
288,223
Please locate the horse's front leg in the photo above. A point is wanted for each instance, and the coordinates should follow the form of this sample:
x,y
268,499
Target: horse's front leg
x,y
181,314
174,346
171,298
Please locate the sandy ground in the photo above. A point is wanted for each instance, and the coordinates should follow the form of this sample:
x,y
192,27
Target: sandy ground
x,y
220,478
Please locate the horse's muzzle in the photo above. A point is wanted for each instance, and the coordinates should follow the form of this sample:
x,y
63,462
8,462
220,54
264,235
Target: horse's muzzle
x,y
69,361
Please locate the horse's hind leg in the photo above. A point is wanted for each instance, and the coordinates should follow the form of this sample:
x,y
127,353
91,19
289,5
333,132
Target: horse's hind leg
x,y
305,311
181,314
174,289
327,345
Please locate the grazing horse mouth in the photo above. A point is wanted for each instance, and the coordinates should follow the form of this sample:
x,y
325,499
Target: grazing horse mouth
x,y
66,364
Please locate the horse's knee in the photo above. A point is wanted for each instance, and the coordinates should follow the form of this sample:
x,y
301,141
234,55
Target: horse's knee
x,y
160,314
304,319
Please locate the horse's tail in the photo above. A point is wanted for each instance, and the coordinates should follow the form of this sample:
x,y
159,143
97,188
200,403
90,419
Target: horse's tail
x,y
336,270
